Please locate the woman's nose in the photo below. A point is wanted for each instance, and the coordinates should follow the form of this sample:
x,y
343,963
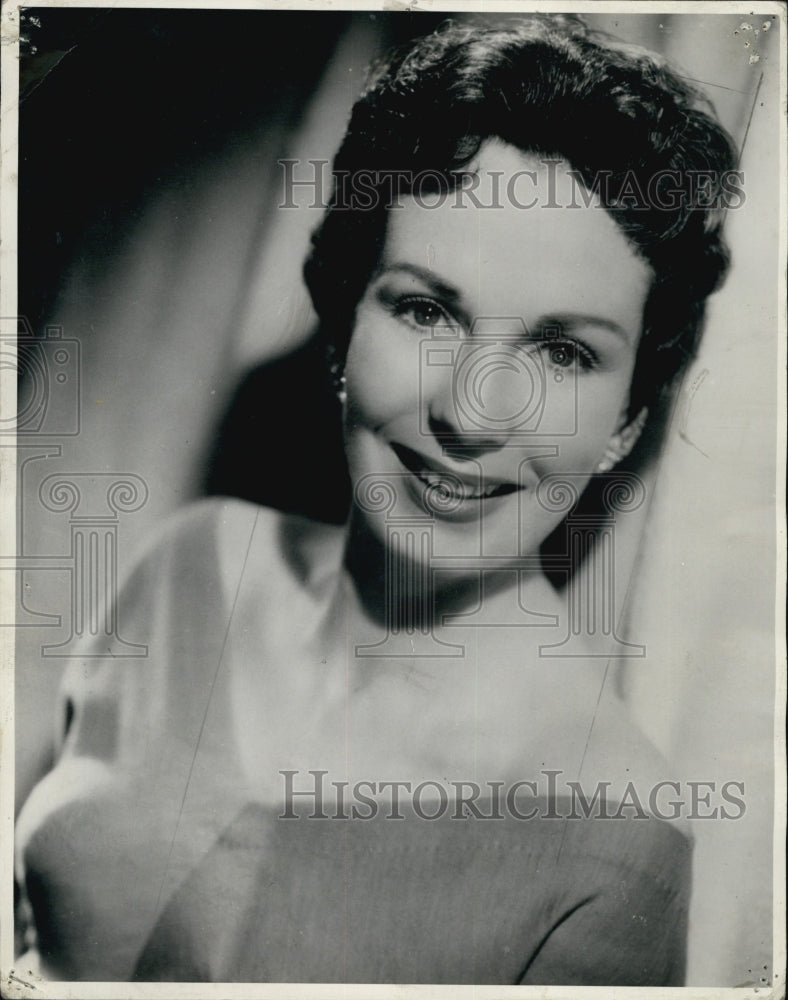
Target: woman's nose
x,y
461,443
489,395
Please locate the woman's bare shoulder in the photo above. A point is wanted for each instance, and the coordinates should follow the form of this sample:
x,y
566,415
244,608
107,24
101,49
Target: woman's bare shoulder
x,y
622,759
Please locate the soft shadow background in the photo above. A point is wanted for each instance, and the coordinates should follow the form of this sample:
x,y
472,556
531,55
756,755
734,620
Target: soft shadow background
x,y
149,231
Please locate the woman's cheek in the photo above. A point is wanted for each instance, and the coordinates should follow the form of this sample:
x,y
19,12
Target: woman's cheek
x,y
382,371
601,403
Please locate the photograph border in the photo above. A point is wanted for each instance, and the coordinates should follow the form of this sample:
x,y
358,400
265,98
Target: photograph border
x,y
15,982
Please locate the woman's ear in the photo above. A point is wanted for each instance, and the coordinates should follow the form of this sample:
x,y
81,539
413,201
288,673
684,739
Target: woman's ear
x,y
623,441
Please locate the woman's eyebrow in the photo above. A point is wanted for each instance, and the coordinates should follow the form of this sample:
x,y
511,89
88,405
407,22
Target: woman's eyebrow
x,y
562,322
570,322
440,287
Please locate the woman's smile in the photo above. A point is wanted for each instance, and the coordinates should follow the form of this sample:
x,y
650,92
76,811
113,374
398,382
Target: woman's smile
x,y
453,483
463,393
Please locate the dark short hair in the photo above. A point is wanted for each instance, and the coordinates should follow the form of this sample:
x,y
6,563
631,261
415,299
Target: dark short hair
x,y
547,85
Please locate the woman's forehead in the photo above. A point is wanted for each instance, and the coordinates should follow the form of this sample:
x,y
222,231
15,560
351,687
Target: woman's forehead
x,y
522,239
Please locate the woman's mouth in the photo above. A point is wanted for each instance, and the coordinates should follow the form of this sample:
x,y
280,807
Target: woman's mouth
x,y
451,483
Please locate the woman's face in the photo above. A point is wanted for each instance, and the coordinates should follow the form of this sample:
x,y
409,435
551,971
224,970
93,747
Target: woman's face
x,y
493,346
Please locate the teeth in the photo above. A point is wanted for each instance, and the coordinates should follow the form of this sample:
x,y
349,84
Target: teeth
x,y
432,479
447,484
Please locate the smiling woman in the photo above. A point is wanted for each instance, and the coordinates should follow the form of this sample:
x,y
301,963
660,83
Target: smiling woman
x,y
527,318
496,339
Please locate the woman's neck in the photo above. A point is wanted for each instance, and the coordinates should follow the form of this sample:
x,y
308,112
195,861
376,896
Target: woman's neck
x,y
396,588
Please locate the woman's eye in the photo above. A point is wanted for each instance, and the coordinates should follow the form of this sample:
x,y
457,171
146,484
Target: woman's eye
x,y
423,313
566,353
562,355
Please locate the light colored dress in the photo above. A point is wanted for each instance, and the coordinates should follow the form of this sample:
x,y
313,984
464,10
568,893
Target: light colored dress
x,y
146,855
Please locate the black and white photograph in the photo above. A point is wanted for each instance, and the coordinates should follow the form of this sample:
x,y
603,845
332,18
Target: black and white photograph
x,y
392,442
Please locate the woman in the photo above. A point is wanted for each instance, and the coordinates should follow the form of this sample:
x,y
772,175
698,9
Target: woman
x,y
365,754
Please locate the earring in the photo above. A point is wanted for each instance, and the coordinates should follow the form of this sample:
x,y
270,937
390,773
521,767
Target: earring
x,y
336,371
340,388
622,442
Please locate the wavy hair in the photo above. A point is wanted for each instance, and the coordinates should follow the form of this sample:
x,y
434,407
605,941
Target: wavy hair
x,y
549,86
